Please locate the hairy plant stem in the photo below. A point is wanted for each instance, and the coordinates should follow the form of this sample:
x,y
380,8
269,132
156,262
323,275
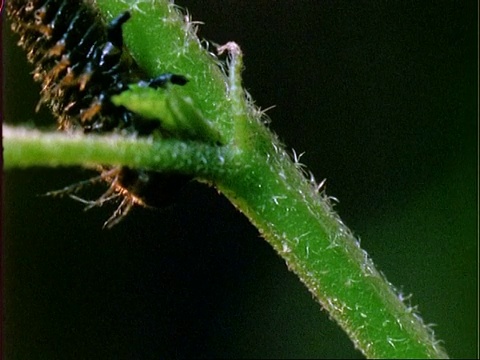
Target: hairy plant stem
x,y
254,171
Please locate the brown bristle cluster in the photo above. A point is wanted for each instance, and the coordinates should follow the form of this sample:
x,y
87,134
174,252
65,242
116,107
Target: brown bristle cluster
x,y
81,63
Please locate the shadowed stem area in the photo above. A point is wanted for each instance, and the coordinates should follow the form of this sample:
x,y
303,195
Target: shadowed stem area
x,y
256,174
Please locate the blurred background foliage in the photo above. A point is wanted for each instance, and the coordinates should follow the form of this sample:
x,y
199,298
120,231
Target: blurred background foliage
x,y
382,98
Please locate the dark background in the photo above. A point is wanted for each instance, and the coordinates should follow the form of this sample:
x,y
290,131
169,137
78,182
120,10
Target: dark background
x,y
381,96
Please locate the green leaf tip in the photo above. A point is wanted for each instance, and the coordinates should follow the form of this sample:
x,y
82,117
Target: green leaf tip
x,y
175,110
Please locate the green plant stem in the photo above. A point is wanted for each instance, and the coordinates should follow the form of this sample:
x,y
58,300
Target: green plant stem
x,y
320,249
253,170
27,147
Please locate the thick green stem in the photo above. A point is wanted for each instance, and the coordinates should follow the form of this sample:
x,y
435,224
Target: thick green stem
x,y
300,224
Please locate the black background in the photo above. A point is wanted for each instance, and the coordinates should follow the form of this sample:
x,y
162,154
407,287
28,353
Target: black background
x,y
381,96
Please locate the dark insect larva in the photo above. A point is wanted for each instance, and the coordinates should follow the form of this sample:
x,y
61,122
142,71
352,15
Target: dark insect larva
x,y
81,62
